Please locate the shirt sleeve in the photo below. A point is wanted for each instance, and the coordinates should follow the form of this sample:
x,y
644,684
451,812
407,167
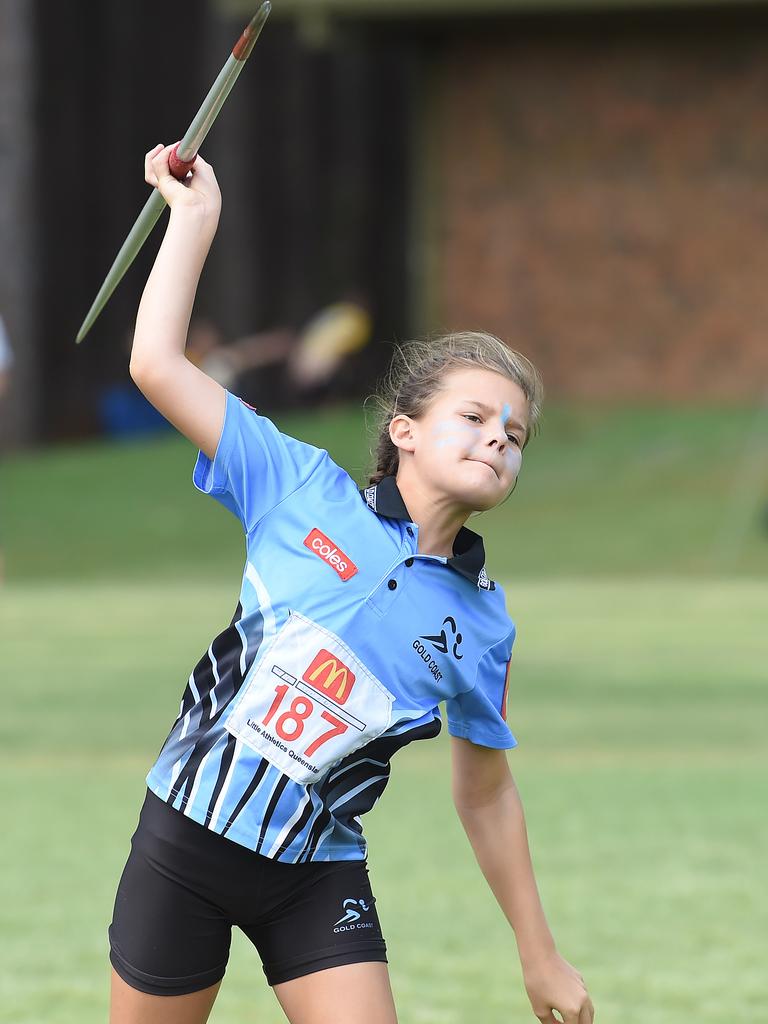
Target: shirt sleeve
x,y
480,713
255,466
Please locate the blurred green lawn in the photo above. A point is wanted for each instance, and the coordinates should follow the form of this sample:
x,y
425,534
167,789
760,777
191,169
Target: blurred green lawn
x,y
605,491
638,696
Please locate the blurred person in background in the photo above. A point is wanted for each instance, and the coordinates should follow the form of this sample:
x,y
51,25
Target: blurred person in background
x,y
227,362
6,360
124,413
6,363
307,359
304,365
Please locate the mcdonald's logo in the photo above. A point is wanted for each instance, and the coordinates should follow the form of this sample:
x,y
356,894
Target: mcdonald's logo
x,y
330,676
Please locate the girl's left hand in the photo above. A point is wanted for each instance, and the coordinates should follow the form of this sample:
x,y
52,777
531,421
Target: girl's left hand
x,y
553,984
198,191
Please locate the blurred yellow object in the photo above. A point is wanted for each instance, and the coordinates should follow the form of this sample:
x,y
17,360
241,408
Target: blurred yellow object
x,y
335,332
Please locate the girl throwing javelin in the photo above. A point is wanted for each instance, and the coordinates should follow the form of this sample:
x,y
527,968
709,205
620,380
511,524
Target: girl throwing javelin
x,y
360,611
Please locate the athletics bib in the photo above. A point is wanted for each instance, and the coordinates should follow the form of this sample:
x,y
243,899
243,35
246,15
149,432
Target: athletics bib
x,y
308,702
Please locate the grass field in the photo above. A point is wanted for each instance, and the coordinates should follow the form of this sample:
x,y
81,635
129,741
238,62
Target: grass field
x,y
608,492
639,697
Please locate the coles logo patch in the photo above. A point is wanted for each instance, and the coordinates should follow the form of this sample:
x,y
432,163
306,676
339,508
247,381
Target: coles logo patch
x,y
324,547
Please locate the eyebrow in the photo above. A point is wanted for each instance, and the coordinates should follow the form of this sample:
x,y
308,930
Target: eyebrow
x,y
489,412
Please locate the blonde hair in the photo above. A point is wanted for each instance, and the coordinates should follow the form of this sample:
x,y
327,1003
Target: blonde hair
x,y
415,376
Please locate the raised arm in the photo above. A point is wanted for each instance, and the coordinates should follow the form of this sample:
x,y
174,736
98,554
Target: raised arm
x,y
187,397
489,806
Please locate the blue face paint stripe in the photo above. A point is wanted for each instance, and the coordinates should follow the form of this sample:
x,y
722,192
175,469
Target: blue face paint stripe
x,y
452,431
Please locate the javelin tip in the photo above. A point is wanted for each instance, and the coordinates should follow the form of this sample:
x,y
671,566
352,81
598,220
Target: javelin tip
x,y
262,14
247,41
87,324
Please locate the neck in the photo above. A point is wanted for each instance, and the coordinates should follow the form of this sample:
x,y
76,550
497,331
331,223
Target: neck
x,y
437,516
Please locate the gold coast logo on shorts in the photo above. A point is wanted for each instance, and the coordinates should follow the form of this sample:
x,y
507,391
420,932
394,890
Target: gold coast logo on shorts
x,y
330,676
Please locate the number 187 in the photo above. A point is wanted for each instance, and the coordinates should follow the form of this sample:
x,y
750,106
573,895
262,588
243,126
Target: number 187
x,y
290,724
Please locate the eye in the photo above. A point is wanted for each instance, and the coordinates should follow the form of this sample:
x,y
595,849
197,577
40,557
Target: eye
x,y
472,416
514,439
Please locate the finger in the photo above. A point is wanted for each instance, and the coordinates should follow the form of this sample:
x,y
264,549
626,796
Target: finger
x,y
149,174
152,153
587,1014
160,156
561,1017
160,164
204,180
203,170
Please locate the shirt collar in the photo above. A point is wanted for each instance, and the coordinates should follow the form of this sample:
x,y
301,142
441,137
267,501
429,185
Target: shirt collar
x,y
468,556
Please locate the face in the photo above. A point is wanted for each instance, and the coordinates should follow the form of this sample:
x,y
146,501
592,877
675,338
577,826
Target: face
x,y
468,444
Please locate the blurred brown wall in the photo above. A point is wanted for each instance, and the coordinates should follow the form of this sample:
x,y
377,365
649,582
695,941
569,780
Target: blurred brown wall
x,y
602,199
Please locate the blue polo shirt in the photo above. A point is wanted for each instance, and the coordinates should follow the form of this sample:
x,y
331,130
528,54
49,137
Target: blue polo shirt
x,y
344,642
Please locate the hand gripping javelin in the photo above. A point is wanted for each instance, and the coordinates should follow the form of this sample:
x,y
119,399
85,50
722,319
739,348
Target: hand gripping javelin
x,y
181,160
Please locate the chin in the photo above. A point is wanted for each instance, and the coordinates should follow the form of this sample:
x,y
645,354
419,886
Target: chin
x,y
480,499
487,490
481,505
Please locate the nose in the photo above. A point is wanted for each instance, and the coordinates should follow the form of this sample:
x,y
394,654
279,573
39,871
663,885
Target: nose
x,y
498,438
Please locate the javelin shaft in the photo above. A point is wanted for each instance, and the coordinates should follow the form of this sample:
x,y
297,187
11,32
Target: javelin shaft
x,y
208,112
186,152
221,88
155,205
139,233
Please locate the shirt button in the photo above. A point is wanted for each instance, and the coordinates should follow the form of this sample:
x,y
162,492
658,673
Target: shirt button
x,y
409,531
409,562
392,584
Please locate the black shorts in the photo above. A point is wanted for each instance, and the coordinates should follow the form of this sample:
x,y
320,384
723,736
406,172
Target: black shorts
x,y
184,887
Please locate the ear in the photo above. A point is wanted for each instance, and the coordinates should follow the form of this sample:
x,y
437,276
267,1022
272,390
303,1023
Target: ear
x,y
401,431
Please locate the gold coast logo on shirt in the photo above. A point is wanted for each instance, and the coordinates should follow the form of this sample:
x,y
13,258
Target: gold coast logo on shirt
x,y
331,676
321,545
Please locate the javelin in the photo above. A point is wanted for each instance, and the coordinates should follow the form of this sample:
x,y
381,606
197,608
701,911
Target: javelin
x,y
181,160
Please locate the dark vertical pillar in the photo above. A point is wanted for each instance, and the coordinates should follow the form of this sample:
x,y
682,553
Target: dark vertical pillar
x,y
19,411
113,79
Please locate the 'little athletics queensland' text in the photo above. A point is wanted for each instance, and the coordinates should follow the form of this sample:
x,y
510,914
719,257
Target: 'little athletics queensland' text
x,y
267,735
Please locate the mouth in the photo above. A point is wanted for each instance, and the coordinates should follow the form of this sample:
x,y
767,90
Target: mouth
x,y
481,463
